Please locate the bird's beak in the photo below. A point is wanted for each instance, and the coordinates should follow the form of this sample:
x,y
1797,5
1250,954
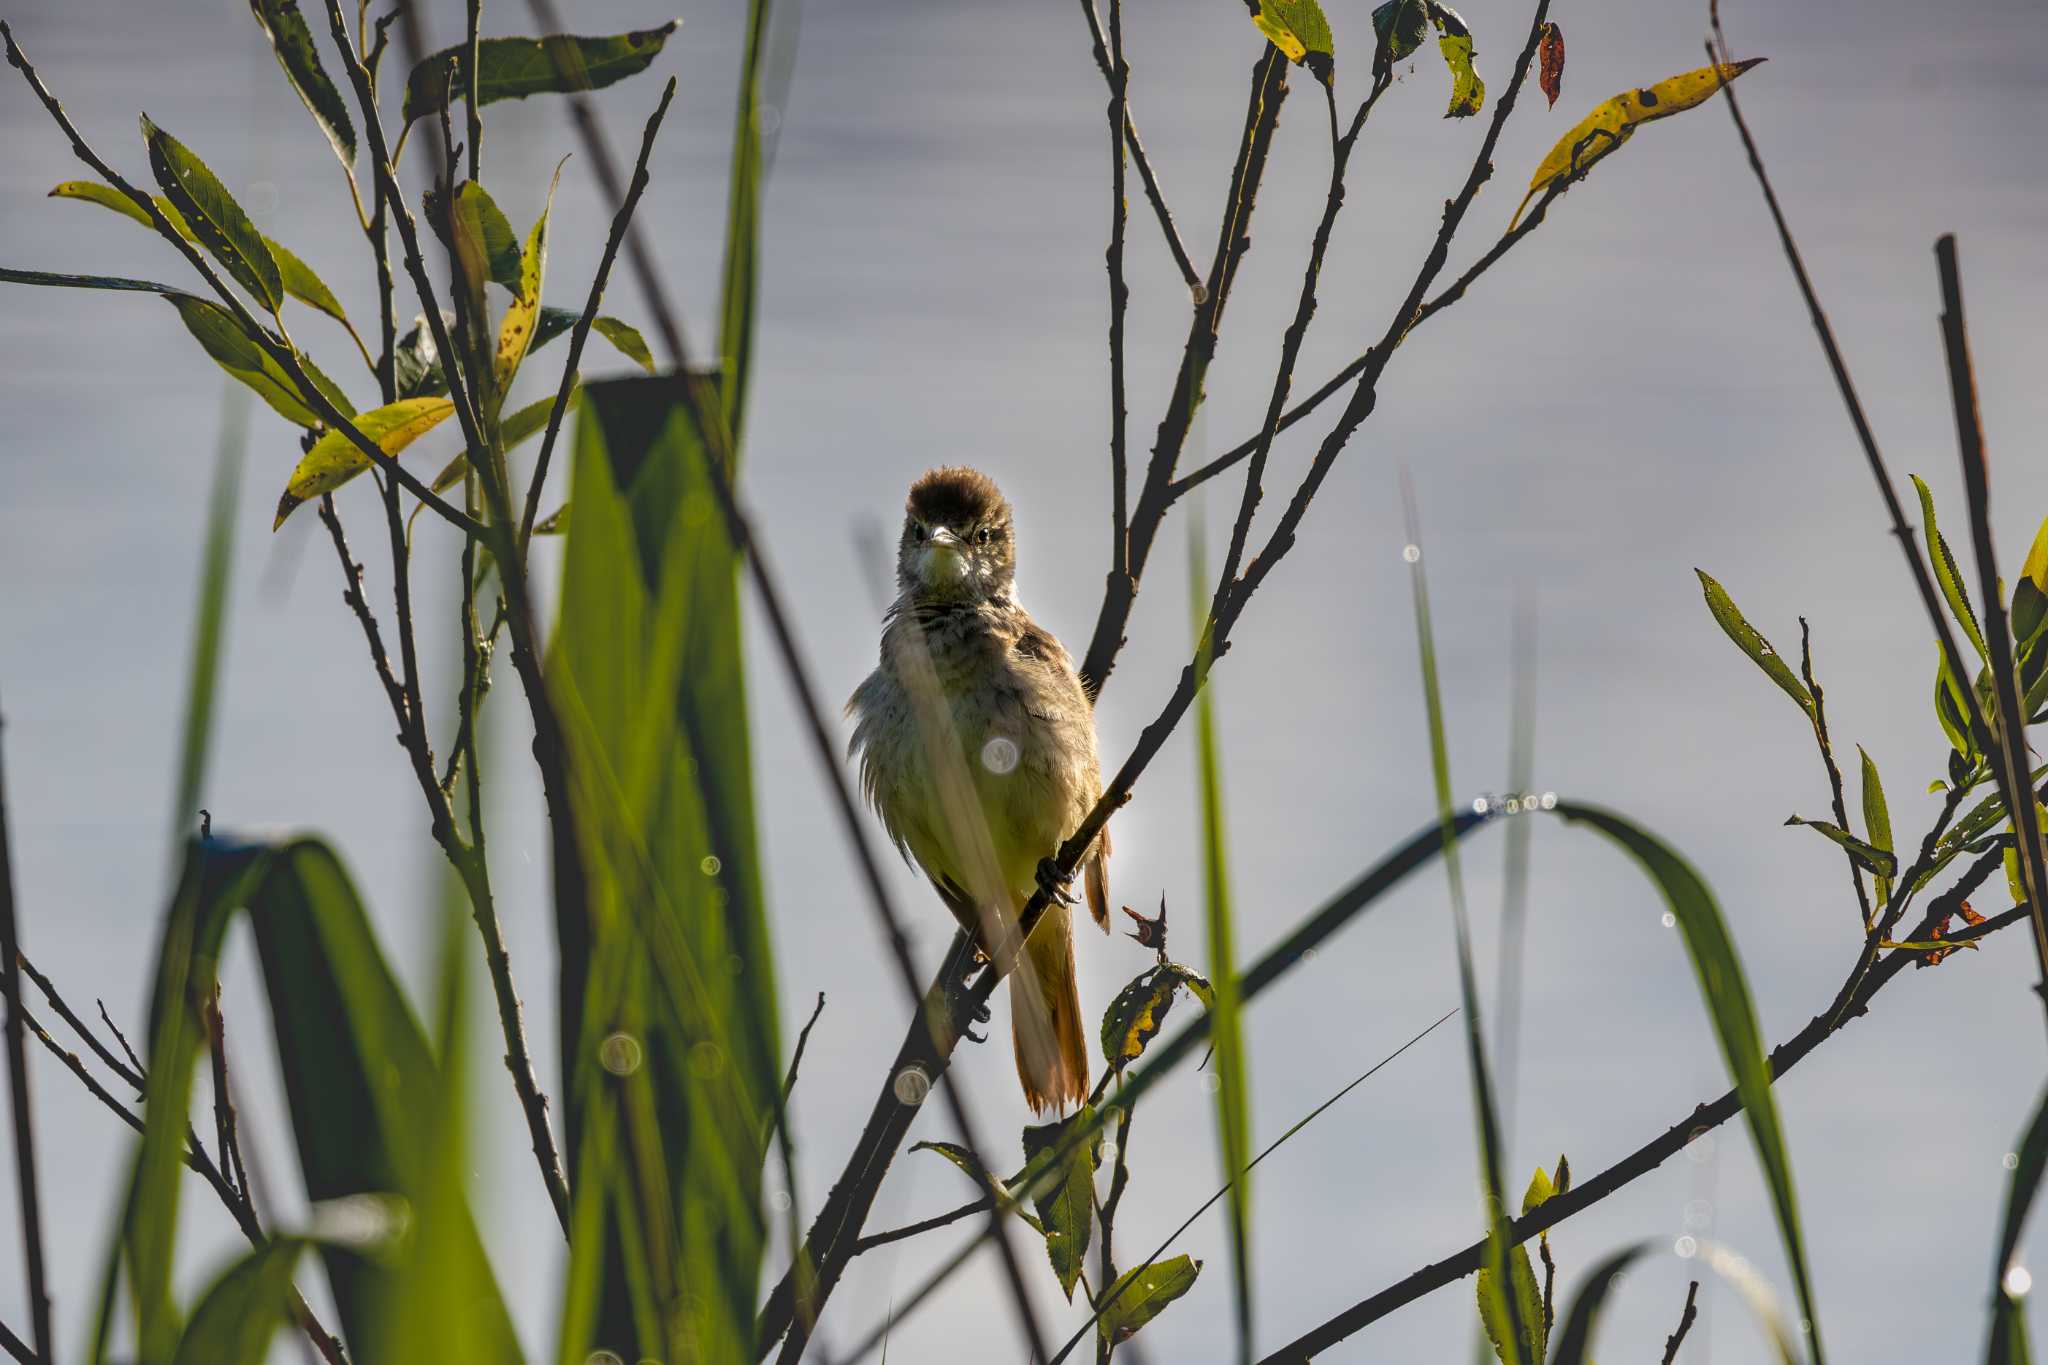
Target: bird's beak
x,y
944,559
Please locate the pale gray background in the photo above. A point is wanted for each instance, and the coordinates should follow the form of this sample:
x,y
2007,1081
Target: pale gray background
x,y
1634,393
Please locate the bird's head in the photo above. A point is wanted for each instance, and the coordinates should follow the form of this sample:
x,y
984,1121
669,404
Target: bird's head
x,y
958,543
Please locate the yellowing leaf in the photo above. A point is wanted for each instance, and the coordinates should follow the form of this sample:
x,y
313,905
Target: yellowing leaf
x,y
1615,121
1454,40
627,339
334,459
1301,32
2030,595
515,333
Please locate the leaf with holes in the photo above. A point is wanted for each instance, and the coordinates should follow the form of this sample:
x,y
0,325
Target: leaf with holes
x,y
1754,645
1454,41
1138,1012
1878,861
1550,52
513,68
515,333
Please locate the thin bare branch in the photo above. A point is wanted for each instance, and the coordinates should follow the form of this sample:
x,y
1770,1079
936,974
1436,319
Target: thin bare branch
x,y
1685,1321
27,1190
1110,66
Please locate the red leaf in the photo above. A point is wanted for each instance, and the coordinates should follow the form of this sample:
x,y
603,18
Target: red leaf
x,y
1552,76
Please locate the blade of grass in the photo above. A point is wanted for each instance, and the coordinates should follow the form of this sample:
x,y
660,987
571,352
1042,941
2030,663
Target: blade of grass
x,y
1484,1104
1514,904
1576,1341
2008,1342
1725,992
209,625
1233,1120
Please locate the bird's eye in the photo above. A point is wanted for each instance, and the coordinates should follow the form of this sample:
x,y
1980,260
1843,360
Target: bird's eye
x,y
984,536
919,532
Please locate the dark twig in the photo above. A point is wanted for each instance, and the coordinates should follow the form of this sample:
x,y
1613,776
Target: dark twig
x,y
1262,115
1702,1119
1827,758
226,1140
1119,72
1119,1181
2009,757
1685,1320
580,333
132,1076
280,351
27,1191
134,1058
931,1224
1110,66
16,1347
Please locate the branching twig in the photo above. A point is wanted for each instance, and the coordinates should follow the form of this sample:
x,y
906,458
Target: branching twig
x,y
1685,1319
27,1190
1109,66
1827,758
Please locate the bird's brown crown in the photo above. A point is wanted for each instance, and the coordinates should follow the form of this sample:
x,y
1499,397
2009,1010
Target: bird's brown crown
x,y
955,495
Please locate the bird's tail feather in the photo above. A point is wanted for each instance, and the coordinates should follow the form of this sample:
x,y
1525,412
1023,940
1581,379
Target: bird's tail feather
x,y
1045,1017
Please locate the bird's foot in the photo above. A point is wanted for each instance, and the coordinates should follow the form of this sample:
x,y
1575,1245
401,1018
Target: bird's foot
x,y
962,1006
1054,883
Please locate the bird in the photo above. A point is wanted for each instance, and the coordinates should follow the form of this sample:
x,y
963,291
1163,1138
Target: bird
x,y
976,746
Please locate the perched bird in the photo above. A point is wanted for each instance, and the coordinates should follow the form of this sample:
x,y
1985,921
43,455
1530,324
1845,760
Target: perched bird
x,y
976,745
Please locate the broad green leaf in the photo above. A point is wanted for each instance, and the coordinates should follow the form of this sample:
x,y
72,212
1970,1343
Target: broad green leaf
x,y
222,337
357,1072
1233,1099
1575,1342
513,68
293,42
1496,1305
1140,1295
1398,29
239,1314
335,459
1528,1310
1880,862
1138,1012
1725,992
1947,573
1754,645
1877,821
483,240
215,220
1454,40
1615,121
515,333
1064,1194
2008,1318
298,278
628,341
1301,32
2030,594
667,981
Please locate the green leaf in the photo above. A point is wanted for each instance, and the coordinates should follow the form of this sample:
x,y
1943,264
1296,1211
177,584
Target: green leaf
x,y
1575,1343
1528,1305
1877,821
2030,594
741,285
1140,1295
1138,1012
335,459
1496,1306
48,280
483,240
671,950
1726,994
1454,41
1947,573
293,43
222,337
1754,645
1301,32
1540,1191
1867,856
2008,1320
216,221
298,278
1233,1102
1398,27
513,68
1063,1193
239,1314
209,618
628,341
